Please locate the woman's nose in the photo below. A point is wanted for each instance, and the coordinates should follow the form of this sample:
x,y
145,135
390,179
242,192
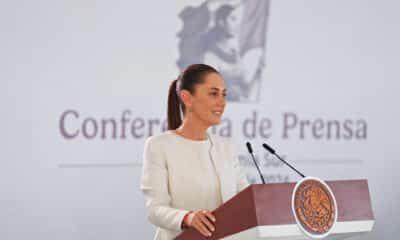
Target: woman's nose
x,y
221,101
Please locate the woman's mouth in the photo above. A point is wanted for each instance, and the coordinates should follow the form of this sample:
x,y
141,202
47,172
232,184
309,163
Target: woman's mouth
x,y
217,113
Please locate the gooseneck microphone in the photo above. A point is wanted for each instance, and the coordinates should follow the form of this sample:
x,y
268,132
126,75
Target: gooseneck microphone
x,y
272,151
254,160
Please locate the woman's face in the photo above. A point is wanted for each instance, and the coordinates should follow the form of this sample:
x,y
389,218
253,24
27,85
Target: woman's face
x,y
208,101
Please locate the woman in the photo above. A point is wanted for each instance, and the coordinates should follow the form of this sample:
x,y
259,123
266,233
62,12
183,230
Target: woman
x,y
187,173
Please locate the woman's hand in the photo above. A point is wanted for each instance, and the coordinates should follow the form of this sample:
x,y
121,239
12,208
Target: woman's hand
x,y
202,221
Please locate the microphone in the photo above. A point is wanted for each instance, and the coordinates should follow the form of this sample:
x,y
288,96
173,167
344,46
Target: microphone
x,y
272,151
254,160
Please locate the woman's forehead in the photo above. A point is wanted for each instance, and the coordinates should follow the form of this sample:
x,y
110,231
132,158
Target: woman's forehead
x,y
214,80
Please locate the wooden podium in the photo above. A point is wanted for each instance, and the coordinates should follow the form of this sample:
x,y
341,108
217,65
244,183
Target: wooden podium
x,y
263,211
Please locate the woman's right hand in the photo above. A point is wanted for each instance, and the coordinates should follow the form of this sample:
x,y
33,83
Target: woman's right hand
x,y
202,221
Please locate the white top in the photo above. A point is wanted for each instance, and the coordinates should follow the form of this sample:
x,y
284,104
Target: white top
x,y
180,174
204,185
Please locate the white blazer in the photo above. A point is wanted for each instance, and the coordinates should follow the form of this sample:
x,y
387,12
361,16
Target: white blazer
x,y
168,185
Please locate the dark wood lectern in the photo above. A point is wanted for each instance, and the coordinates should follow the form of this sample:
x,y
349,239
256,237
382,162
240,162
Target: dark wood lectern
x,y
263,211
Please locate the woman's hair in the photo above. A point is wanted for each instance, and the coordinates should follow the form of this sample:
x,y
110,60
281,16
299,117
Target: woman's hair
x,y
187,80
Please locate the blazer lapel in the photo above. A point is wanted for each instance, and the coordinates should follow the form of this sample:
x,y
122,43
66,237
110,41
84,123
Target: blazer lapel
x,y
216,158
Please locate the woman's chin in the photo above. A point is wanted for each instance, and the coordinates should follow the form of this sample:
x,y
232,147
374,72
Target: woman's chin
x,y
215,121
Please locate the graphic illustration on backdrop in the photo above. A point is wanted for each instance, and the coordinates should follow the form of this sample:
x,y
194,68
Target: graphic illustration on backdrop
x,y
230,36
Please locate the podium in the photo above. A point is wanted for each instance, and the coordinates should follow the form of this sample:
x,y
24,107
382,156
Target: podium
x,y
263,211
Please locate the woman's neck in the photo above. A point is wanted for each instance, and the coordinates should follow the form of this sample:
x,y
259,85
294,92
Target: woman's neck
x,y
191,130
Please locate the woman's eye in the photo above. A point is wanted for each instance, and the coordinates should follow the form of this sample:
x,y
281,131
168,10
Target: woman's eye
x,y
216,94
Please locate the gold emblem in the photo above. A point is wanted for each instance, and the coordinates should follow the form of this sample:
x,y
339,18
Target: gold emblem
x,y
314,207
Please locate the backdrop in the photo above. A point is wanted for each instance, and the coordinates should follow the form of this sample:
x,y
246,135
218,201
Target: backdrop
x,y
84,83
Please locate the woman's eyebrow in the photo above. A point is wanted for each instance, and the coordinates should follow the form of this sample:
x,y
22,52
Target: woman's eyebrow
x,y
217,89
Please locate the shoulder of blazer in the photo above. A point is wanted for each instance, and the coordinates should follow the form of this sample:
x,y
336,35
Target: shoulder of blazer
x,y
158,141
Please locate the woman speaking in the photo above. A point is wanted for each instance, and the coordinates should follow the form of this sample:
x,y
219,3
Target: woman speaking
x,y
187,172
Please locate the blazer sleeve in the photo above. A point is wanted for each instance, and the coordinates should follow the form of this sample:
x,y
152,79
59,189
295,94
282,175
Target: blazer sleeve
x,y
154,185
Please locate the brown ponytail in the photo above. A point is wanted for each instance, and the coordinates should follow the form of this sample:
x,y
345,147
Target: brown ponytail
x,y
192,75
174,112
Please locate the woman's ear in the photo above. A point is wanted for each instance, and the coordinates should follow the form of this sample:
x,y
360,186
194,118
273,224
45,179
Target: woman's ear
x,y
186,98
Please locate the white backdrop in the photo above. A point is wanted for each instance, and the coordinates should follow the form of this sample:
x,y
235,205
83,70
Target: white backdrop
x,y
326,62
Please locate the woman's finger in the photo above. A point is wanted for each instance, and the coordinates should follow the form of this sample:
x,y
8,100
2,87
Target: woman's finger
x,y
207,222
199,226
210,216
